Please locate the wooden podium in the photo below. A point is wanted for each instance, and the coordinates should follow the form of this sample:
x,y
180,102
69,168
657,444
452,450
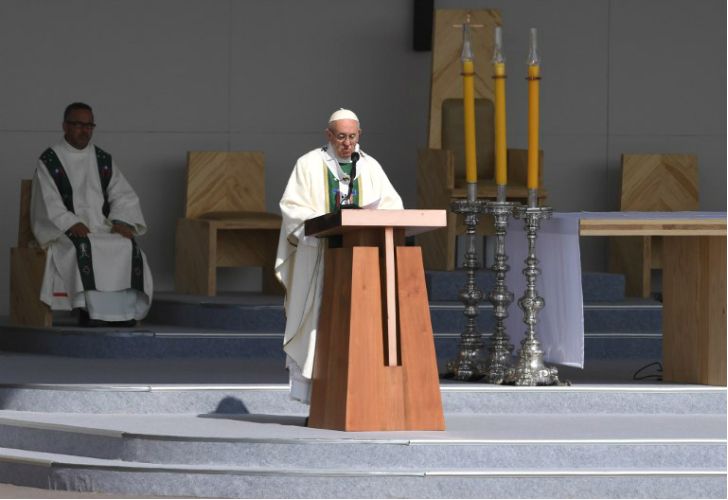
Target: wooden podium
x,y
375,367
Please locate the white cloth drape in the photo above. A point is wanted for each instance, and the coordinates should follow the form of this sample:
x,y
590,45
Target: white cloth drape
x,y
560,327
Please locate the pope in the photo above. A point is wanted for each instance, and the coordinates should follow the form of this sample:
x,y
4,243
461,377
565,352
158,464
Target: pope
x,y
323,180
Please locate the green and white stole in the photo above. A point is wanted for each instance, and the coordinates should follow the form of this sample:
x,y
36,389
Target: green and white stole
x,y
83,245
333,192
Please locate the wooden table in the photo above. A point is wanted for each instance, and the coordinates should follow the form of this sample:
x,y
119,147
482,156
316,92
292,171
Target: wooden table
x,y
693,289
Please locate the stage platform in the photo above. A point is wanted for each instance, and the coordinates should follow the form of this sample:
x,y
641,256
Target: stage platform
x,y
194,402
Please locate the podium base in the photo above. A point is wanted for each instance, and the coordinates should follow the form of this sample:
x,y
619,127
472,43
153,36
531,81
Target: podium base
x,y
355,386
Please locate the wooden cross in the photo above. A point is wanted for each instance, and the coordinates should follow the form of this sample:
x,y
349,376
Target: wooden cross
x,y
467,23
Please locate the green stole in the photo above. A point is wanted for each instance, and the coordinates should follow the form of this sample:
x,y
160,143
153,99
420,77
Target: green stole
x,y
333,195
83,245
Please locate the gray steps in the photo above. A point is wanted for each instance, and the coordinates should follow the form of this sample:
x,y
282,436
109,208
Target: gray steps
x,y
138,479
268,456
273,399
605,441
492,441
201,408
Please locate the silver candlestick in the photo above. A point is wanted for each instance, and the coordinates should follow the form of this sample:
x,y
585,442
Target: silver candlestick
x,y
470,363
530,369
501,350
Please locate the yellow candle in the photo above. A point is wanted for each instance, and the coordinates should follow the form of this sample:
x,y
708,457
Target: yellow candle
x,y
501,174
534,75
533,117
471,171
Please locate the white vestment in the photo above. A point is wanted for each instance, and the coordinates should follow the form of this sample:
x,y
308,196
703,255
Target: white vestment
x,y
111,253
299,261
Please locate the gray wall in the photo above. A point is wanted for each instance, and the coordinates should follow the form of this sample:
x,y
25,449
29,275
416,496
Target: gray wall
x,y
168,76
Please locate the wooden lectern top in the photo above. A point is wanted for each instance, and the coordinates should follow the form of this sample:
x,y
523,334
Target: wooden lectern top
x,y
412,221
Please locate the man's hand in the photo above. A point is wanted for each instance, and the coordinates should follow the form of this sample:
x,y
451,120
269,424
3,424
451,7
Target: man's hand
x,y
79,230
122,229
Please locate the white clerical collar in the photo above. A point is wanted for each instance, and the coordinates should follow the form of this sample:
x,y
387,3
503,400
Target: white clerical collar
x,y
334,163
331,150
72,149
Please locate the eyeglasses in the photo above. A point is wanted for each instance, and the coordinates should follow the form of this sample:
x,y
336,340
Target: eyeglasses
x,y
84,125
344,137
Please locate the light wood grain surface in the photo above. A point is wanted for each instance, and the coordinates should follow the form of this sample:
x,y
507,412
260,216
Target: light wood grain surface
x,y
226,224
651,182
224,181
693,288
27,267
694,310
659,182
652,227
447,42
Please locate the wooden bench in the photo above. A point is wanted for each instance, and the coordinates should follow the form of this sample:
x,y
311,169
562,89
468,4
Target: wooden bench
x,y
27,265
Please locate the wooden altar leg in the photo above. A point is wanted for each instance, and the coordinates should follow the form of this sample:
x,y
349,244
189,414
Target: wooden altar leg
x,y
694,309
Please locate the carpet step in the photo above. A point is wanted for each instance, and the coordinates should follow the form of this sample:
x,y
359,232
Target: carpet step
x,y
151,341
194,329
633,315
596,287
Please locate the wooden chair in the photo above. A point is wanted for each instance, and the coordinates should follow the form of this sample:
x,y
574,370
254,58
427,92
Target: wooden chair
x,y
225,223
650,182
27,265
441,178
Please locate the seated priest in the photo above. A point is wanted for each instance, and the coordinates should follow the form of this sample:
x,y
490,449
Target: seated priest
x,y
86,215
324,179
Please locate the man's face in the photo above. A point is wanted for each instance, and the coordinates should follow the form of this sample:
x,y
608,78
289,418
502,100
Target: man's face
x,y
343,135
79,128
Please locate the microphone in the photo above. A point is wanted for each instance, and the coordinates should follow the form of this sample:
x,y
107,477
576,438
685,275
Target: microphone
x,y
354,159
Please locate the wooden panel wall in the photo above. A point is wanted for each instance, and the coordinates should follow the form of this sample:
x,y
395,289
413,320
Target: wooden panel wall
x,y
446,66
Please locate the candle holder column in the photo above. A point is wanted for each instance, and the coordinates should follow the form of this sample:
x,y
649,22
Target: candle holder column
x,y
530,368
501,350
470,363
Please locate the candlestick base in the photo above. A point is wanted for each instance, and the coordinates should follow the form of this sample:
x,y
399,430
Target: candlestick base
x,y
500,194
530,369
501,350
470,364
